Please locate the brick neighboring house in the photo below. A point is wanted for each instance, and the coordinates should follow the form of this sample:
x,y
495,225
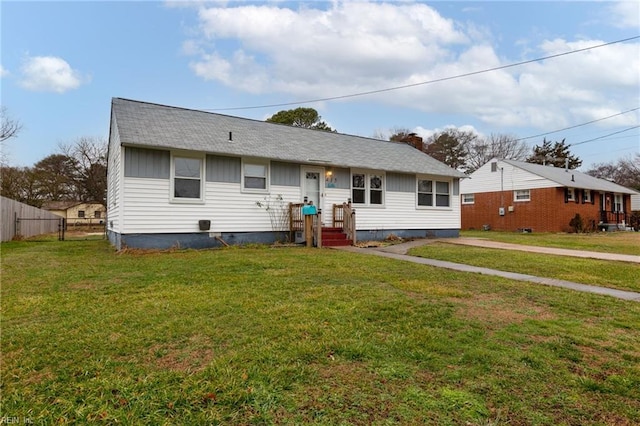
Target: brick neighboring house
x,y
77,212
512,195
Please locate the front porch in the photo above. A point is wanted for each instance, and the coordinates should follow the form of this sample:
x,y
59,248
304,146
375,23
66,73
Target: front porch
x,y
342,231
615,221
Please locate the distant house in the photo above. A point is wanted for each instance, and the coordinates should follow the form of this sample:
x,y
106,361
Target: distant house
x,y
78,212
513,195
188,178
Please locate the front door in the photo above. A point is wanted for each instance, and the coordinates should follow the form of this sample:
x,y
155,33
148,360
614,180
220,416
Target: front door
x,y
313,185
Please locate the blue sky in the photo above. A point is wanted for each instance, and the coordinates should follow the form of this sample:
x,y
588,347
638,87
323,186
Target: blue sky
x,y
62,62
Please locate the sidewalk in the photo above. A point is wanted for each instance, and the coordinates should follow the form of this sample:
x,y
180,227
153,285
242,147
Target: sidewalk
x,y
399,251
480,242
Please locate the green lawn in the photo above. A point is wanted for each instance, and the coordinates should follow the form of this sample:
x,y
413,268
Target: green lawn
x,y
302,336
607,242
619,275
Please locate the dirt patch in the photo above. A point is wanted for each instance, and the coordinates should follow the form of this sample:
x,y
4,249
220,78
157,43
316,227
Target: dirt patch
x,y
496,312
192,355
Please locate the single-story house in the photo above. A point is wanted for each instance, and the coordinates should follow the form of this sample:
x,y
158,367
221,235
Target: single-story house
x,y
517,196
188,178
77,212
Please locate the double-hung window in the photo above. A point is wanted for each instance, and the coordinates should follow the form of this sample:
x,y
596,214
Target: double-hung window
x,y
433,193
187,178
255,176
468,198
522,195
367,188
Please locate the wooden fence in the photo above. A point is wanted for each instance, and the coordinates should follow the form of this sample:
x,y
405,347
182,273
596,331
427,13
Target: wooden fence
x,y
24,220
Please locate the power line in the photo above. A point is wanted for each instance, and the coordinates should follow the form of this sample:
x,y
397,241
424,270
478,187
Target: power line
x,y
389,89
579,125
604,136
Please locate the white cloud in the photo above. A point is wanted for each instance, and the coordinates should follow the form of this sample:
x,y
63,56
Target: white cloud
x,y
49,74
354,47
625,14
3,72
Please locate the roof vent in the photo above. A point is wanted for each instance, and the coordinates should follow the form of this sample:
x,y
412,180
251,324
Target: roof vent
x,y
230,136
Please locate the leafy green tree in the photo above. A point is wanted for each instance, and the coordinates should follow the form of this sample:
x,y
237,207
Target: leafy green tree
x,y
19,183
556,154
57,178
301,117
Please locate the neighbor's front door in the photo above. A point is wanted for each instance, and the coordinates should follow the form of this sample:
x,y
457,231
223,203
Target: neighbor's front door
x,y
313,185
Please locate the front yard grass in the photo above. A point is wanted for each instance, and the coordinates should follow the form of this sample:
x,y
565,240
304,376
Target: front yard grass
x,y
607,242
619,275
302,336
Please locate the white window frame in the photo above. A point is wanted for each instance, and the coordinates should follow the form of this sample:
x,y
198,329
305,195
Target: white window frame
x,y
618,203
571,194
586,196
368,175
434,193
255,162
468,198
521,192
184,200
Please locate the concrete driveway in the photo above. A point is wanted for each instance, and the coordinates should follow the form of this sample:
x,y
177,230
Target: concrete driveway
x,y
398,252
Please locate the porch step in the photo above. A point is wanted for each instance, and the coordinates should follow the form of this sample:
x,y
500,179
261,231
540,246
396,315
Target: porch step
x,y
333,237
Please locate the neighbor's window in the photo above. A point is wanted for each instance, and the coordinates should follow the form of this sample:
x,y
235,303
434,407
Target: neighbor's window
x,y
522,195
367,188
434,193
255,175
187,178
618,205
97,214
586,196
80,213
468,198
571,194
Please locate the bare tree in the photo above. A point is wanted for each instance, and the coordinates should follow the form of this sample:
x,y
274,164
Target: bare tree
x,y
90,156
9,128
625,172
502,146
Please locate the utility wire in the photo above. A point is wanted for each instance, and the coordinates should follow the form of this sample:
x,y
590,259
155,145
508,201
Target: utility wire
x,y
604,136
389,89
579,125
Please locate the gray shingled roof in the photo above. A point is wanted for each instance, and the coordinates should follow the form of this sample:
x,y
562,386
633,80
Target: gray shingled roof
x,y
166,127
571,178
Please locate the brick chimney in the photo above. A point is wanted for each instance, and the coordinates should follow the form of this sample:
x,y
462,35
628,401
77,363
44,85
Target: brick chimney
x,y
414,140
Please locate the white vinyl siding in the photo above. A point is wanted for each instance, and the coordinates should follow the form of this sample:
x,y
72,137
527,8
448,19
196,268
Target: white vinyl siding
x,y
509,179
149,209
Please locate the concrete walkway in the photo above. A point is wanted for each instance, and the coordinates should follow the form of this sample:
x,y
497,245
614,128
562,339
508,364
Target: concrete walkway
x,y
481,242
399,251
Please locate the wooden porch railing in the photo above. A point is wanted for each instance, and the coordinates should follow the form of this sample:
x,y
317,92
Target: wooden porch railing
x,y
344,216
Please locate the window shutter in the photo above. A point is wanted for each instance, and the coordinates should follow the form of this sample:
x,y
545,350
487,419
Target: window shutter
x,y
566,195
593,196
584,191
